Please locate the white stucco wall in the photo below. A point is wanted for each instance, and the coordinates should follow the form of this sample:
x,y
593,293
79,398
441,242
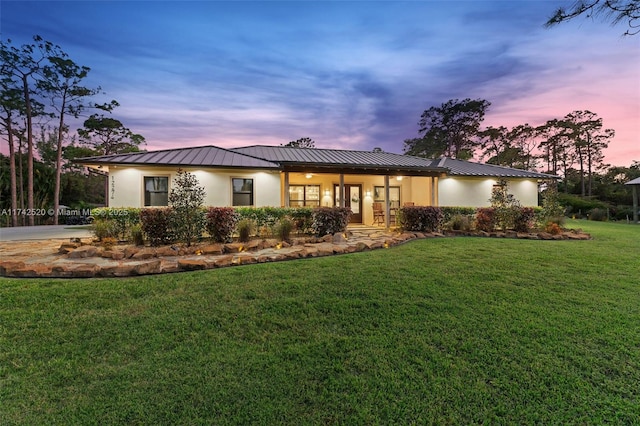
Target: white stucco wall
x,y
476,192
126,185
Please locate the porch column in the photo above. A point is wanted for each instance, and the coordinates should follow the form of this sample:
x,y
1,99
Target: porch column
x,y
634,191
387,208
341,195
434,188
286,190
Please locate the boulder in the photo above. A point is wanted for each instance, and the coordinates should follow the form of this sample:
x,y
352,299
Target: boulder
x,y
8,266
253,245
31,271
145,253
168,266
146,268
130,251
82,252
192,264
117,255
68,247
234,247
222,261
167,251
339,238
85,271
213,249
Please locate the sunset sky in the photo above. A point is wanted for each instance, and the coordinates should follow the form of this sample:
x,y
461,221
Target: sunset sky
x,y
350,75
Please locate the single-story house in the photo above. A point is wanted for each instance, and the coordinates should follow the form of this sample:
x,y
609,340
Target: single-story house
x,y
285,176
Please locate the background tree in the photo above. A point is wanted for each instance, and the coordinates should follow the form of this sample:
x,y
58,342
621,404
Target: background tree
x,y
62,83
301,143
615,11
497,147
107,135
525,138
21,68
589,140
449,130
11,106
556,147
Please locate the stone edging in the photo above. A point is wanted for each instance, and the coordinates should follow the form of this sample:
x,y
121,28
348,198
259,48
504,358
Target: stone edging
x,y
85,260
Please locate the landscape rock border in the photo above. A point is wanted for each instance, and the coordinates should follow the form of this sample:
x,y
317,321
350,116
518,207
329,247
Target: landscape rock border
x,y
83,259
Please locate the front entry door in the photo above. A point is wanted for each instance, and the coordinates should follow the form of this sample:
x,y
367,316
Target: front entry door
x,y
352,198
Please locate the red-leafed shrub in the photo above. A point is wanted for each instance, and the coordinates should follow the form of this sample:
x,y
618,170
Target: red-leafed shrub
x,y
157,225
486,219
553,228
421,219
221,223
330,220
524,219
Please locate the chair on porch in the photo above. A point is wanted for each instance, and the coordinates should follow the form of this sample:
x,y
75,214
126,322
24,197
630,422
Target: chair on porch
x,y
378,214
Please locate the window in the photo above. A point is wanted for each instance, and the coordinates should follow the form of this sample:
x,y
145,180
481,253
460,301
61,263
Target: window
x,y
394,195
156,191
242,192
304,195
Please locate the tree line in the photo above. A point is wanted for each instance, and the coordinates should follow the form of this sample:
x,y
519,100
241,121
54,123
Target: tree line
x,y
42,89
560,146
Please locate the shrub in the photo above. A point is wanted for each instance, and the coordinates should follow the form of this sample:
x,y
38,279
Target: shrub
x,y
553,228
186,200
450,212
262,216
506,206
137,236
245,230
485,219
330,220
460,222
103,228
283,229
576,205
221,222
524,219
302,218
421,218
156,224
598,214
551,207
121,218
108,242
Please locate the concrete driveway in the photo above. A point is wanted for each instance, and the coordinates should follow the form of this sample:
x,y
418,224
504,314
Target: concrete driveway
x,y
46,232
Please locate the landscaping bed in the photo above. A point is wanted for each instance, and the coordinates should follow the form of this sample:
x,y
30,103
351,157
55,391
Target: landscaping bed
x,y
86,259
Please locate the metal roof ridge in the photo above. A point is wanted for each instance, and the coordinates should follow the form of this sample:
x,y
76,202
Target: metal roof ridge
x,y
322,149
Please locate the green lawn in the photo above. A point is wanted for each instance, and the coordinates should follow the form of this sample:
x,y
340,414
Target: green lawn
x,y
444,331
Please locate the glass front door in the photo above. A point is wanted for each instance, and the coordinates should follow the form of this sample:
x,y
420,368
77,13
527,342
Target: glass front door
x,y
352,199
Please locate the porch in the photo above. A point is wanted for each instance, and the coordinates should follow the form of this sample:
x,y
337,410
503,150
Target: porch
x,y
374,199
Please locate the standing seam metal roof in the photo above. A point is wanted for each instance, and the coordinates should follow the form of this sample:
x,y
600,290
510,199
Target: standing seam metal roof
x,y
208,156
275,157
335,157
467,168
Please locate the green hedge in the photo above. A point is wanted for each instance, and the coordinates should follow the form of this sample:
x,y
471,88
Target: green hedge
x,y
421,218
330,220
118,219
266,220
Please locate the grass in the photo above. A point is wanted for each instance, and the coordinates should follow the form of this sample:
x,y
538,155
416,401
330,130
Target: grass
x,y
444,331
